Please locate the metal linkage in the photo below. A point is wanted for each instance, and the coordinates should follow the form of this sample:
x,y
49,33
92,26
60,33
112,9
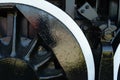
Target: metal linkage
x,y
102,18
106,59
108,31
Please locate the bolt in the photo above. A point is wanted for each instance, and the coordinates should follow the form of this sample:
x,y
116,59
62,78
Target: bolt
x,y
87,6
82,11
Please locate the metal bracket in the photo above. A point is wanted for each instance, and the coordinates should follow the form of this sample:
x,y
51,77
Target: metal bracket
x,y
88,12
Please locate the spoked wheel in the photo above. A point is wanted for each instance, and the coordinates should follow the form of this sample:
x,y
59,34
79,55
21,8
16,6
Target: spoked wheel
x,y
34,45
21,49
33,52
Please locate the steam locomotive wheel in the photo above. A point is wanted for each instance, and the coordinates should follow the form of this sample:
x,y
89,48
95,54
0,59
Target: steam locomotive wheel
x,y
34,45
24,55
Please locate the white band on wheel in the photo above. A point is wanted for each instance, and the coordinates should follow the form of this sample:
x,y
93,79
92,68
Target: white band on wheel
x,y
70,24
116,62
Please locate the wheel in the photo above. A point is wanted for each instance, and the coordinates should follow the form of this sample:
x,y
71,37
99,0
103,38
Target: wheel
x,y
44,44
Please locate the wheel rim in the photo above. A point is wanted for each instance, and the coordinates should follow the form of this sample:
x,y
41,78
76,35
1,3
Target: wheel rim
x,y
116,63
89,61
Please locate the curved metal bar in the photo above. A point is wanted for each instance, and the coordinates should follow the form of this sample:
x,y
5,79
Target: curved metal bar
x,y
116,62
70,24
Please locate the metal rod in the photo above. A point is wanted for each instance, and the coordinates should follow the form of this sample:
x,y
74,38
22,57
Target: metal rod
x,y
30,49
13,53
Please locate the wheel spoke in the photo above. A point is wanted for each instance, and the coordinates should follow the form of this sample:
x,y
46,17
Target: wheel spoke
x,y
50,74
13,53
41,58
30,49
5,48
5,41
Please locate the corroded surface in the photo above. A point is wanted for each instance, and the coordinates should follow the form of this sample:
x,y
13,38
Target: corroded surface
x,y
69,53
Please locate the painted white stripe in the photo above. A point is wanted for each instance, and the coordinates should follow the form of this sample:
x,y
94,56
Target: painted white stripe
x,y
70,24
116,62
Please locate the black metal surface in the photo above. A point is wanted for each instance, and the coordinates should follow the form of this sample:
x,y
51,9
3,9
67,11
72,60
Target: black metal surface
x,y
81,2
59,3
103,9
15,69
37,22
